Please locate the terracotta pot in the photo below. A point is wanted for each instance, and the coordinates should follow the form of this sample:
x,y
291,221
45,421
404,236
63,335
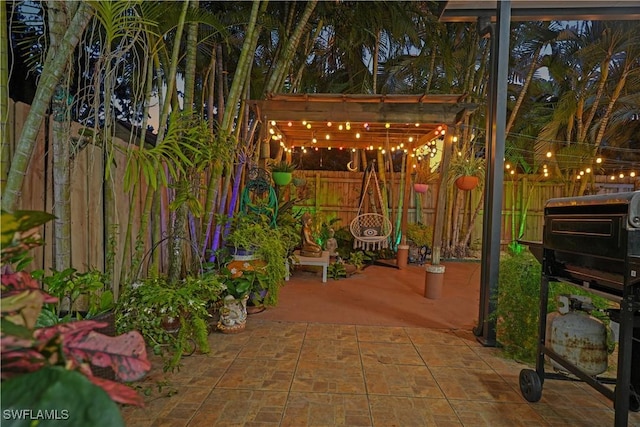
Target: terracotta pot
x,y
420,188
467,183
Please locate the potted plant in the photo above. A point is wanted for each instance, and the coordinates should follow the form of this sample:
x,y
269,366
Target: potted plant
x,y
420,237
282,172
423,177
270,245
79,295
467,171
235,293
172,315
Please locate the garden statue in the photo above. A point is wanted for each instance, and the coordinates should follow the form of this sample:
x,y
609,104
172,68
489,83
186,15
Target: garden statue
x,y
309,247
233,315
332,244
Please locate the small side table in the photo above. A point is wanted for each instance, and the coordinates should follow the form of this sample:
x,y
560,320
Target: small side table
x,y
322,261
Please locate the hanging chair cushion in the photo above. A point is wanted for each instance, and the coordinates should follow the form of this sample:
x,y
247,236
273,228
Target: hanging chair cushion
x,y
370,227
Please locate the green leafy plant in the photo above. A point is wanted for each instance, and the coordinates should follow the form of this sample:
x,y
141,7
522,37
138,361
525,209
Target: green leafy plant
x,y
517,313
358,259
79,294
159,309
46,368
282,166
469,165
423,174
269,244
420,234
337,270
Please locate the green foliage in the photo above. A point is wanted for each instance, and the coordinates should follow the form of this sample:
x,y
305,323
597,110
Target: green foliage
x,y
282,166
71,287
336,270
517,313
466,165
270,245
358,259
150,303
68,393
19,233
420,234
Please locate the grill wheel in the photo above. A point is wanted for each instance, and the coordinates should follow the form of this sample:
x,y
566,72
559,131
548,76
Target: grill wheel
x,y
530,385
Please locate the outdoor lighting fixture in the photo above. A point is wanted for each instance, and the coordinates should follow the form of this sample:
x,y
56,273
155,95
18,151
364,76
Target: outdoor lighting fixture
x,y
327,137
513,172
273,122
581,173
549,154
304,123
348,126
357,134
613,178
289,124
353,150
314,140
410,139
508,166
632,174
455,139
329,124
387,125
442,132
328,148
339,127
417,124
383,151
308,125
271,131
588,170
621,175
599,160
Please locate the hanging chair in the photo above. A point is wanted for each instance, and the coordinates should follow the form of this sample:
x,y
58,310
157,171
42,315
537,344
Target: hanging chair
x,y
371,230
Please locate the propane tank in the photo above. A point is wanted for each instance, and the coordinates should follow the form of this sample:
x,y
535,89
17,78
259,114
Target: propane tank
x,y
577,336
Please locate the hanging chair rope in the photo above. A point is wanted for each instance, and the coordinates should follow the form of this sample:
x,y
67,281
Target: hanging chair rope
x,y
371,230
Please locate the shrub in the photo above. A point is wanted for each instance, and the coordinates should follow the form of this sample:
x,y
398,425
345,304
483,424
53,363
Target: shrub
x,y
517,313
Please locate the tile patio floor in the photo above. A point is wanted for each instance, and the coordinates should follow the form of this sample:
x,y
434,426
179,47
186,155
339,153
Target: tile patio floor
x,y
341,373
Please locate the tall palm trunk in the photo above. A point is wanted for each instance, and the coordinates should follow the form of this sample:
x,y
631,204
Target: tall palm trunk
x,y
51,73
4,98
61,124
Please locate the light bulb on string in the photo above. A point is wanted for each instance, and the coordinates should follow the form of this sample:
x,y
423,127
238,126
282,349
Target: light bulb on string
x,y
632,174
599,160
549,154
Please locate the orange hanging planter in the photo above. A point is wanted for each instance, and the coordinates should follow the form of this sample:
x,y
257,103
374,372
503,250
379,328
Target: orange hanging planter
x,y
467,183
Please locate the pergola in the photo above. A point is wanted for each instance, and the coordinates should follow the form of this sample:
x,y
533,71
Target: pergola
x,y
359,121
374,122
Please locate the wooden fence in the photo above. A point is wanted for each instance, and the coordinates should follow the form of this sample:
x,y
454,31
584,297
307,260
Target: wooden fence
x,y
330,194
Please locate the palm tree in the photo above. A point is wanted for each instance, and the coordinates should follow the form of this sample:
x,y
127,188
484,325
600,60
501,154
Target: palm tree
x,y
592,69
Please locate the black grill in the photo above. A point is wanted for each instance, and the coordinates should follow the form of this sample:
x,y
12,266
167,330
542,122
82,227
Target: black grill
x,y
593,242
